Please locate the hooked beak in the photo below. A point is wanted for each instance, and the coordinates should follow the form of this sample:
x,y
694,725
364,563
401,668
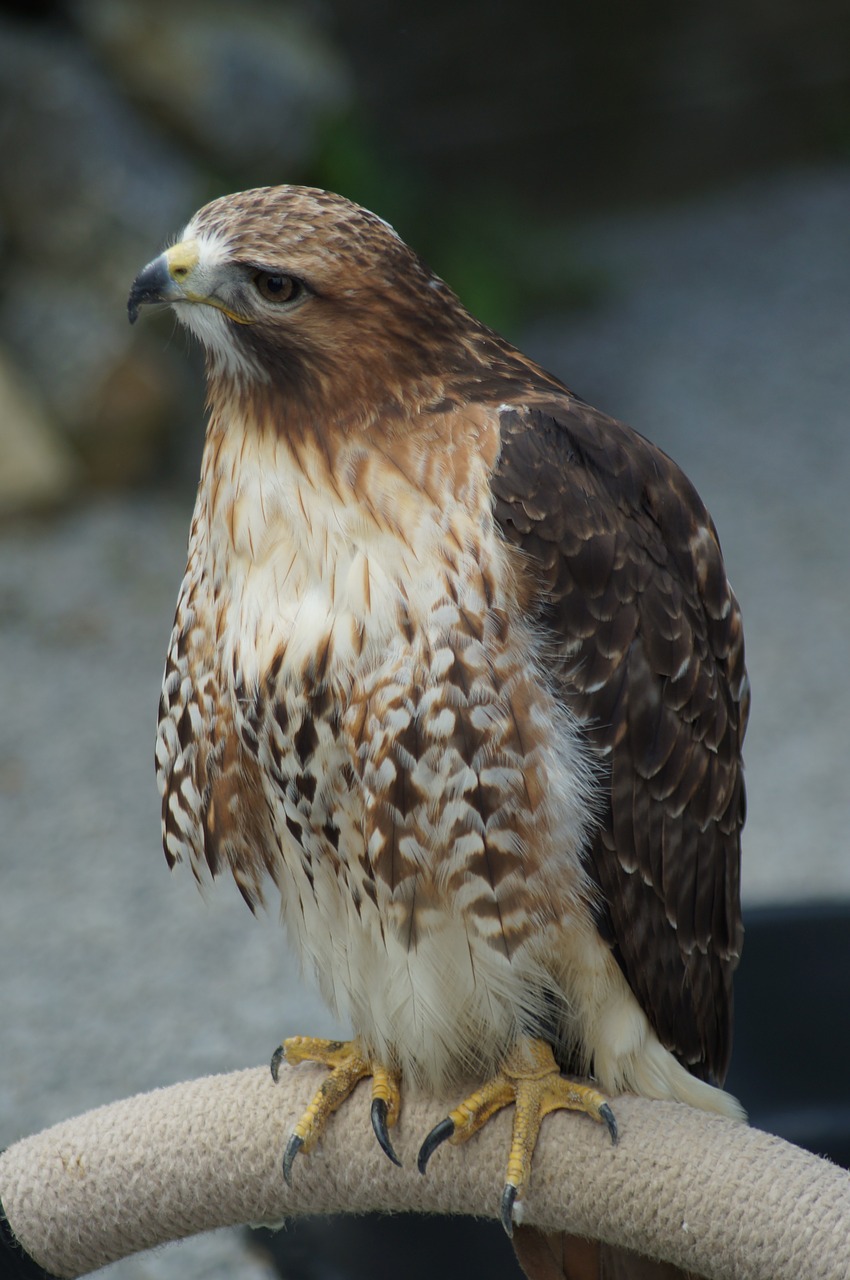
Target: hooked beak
x,y
166,279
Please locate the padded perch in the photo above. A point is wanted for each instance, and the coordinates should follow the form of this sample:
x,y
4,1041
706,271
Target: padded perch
x,y
709,1195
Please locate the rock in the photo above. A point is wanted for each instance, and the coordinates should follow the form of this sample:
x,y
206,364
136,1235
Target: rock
x,y
93,192
247,88
114,393
38,468
117,114
130,411
91,179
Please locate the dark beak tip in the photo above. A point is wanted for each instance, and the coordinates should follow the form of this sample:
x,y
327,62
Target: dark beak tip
x,y
150,285
138,296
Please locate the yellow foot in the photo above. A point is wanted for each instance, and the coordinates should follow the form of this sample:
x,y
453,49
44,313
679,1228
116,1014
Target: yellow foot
x,y
529,1078
349,1065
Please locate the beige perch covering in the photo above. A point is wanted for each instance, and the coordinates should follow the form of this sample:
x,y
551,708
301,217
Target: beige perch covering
x,y
719,1199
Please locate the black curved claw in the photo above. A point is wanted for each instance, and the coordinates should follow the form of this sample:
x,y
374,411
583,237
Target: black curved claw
x,y
293,1146
438,1134
379,1124
608,1116
277,1059
506,1209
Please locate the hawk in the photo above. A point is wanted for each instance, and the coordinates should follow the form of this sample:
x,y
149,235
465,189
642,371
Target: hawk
x,y
457,667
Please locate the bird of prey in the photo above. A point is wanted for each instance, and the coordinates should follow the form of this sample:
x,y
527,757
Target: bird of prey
x,y
457,667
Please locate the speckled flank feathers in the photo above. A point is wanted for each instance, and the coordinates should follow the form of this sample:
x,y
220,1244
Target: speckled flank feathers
x,y
456,665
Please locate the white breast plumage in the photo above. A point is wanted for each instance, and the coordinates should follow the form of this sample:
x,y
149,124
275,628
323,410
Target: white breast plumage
x,y
307,564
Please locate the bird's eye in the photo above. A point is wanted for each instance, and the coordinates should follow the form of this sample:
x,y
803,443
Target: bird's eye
x,y
275,287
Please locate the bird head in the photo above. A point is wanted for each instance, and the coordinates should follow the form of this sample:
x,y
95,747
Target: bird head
x,y
312,295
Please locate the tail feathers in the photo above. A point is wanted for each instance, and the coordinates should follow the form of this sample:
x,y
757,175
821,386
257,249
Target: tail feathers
x,y
655,1073
565,1257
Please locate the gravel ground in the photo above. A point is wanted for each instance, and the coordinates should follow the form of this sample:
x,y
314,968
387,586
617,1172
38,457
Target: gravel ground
x,y
725,336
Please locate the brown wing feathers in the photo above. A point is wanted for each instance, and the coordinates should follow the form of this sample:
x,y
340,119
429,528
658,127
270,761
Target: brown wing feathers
x,y
634,590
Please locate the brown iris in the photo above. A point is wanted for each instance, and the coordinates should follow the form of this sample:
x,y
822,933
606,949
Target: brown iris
x,y
276,287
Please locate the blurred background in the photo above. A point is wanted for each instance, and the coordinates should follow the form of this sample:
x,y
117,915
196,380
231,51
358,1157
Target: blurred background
x,y
653,199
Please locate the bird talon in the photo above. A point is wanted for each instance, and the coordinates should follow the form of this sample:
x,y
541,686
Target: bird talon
x,y
606,1114
293,1146
506,1209
349,1064
379,1124
439,1134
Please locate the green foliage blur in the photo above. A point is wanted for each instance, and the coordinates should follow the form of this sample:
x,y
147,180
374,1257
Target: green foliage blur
x,y
502,258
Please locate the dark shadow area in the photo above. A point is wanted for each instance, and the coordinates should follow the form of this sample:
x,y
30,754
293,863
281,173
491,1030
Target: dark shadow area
x,y
379,1247
792,1032
576,105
